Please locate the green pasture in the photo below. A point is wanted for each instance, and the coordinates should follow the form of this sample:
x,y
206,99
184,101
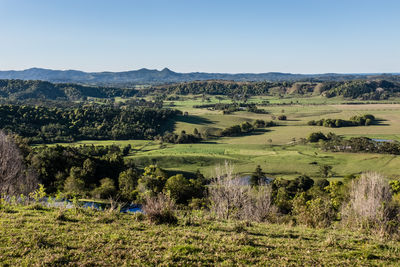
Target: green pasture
x,y
278,161
271,148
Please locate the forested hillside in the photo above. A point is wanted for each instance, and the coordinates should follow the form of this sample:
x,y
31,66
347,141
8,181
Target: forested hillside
x,y
149,76
356,89
19,90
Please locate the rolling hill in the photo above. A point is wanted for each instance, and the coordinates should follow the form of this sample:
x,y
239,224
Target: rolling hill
x,y
147,76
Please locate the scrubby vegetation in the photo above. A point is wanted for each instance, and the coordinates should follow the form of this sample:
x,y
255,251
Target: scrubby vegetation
x,y
241,223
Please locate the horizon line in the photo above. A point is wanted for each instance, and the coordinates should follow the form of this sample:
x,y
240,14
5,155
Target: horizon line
x,y
227,73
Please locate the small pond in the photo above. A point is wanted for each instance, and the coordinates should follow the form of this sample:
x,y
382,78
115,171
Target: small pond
x,y
92,204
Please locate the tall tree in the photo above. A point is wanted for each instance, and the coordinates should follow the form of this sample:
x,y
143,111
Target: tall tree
x,y
14,177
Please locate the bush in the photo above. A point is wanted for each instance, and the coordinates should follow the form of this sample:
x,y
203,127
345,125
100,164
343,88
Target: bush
x,y
227,195
179,188
259,206
282,117
106,189
127,181
369,205
230,199
160,209
316,212
315,137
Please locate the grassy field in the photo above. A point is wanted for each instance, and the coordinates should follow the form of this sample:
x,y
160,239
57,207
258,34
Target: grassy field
x,y
50,237
272,148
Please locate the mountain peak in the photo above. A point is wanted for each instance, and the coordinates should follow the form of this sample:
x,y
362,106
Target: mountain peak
x,y
166,70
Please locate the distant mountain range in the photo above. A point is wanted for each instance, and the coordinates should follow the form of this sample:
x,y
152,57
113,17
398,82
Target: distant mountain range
x,y
147,76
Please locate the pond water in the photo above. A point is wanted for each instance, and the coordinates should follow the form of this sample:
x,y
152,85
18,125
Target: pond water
x,y
91,204
103,206
383,140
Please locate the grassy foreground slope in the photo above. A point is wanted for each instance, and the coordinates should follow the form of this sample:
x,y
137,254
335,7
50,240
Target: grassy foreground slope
x,y
90,238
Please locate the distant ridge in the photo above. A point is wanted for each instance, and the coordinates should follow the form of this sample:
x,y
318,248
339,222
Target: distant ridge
x,y
147,76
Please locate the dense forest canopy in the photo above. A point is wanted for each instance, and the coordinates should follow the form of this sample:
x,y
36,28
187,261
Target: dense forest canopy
x,y
43,124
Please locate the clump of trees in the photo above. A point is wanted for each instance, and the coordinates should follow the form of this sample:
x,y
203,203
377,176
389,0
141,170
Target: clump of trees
x,y
335,143
233,107
363,120
360,144
282,117
246,127
101,172
182,138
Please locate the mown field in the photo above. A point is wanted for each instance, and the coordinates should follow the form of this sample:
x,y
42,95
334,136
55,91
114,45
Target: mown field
x,y
275,149
84,237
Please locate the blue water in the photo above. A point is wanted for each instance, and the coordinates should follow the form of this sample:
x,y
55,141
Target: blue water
x,y
101,206
65,203
132,208
93,205
382,140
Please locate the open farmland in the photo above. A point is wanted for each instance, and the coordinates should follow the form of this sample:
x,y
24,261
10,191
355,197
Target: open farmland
x,y
276,149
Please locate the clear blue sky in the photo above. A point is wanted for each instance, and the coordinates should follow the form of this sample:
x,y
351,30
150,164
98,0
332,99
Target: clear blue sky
x,y
298,36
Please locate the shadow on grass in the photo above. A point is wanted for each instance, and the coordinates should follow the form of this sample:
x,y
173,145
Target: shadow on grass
x,y
193,120
255,132
380,122
170,124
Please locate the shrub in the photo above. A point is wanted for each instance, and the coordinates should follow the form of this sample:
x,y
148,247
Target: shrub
x,y
282,117
230,199
38,194
315,137
127,181
259,207
105,190
226,194
259,123
369,205
316,212
160,209
15,179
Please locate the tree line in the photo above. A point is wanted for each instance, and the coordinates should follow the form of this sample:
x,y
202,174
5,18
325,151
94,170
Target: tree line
x,y
354,89
335,143
363,120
